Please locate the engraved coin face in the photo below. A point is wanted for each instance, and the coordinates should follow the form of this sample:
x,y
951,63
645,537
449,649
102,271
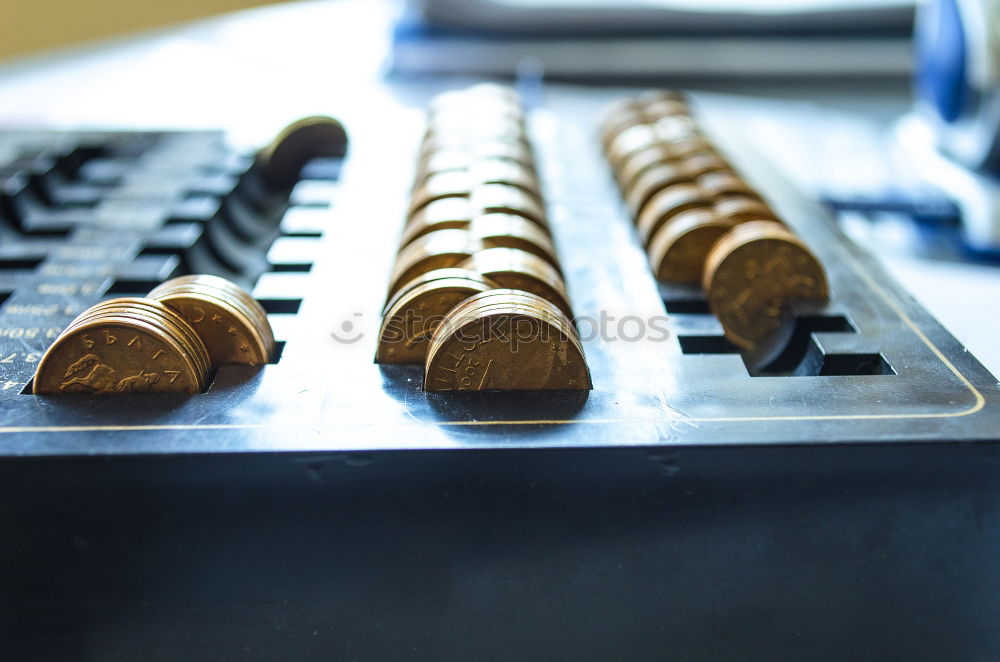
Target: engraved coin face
x,y
504,342
666,204
414,315
518,270
228,333
230,321
752,273
435,250
116,355
510,231
678,250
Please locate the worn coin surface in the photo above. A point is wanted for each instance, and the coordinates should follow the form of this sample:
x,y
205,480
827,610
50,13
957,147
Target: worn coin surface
x,y
652,181
112,354
518,270
233,294
155,313
229,333
666,204
638,162
678,250
415,314
434,250
510,231
751,274
506,345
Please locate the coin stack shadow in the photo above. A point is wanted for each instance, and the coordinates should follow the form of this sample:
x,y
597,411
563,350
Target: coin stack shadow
x,y
476,294
172,341
701,223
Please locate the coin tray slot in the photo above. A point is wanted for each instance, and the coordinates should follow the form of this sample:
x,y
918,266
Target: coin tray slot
x,y
279,349
802,347
135,288
855,364
707,345
281,306
300,268
19,264
687,306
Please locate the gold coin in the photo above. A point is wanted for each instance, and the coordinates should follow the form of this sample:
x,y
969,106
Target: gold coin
x,y
517,143
646,99
505,297
298,143
434,250
442,214
724,183
682,149
652,181
741,209
630,141
433,275
110,354
441,161
702,163
449,184
510,231
640,161
672,128
496,171
229,333
678,249
617,125
667,204
517,270
620,114
440,137
155,313
504,199
484,124
666,109
410,321
752,273
476,113
503,347
232,292
473,96
517,152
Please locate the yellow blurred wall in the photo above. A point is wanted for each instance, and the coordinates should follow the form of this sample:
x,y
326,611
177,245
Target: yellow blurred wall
x,y
33,25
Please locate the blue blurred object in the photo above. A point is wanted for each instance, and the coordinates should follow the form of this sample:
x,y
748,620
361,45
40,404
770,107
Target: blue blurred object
x,y
941,60
957,78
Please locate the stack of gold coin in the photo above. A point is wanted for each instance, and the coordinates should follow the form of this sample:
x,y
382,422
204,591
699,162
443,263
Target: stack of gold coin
x,y
169,342
703,224
231,323
412,315
505,340
681,193
124,345
476,223
752,274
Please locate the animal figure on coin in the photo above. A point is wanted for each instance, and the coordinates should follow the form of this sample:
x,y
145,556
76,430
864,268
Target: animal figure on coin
x,y
88,375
